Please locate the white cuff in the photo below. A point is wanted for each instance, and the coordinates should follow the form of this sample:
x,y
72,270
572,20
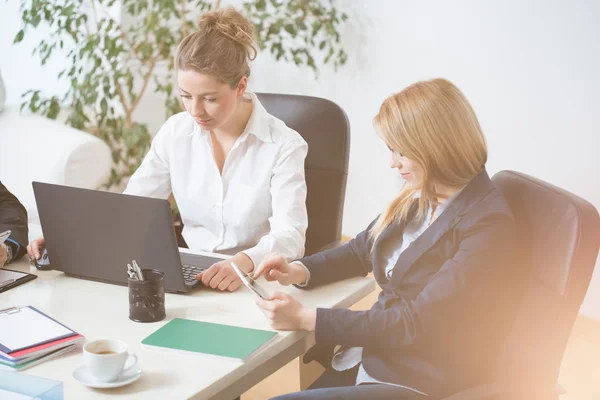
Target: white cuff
x,y
306,271
256,254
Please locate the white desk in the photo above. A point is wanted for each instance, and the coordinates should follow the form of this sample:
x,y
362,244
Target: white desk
x,y
101,311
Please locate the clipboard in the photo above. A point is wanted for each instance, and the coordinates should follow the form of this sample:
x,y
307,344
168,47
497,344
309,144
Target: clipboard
x,y
10,278
23,328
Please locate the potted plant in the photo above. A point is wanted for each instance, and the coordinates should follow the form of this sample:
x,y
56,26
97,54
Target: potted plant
x,y
113,64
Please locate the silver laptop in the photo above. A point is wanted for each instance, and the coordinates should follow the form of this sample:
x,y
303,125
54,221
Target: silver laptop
x,y
92,234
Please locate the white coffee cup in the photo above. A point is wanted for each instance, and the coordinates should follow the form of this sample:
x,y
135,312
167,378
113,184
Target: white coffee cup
x,y
105,359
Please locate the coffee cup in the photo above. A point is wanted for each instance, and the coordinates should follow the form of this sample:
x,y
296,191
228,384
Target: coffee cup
x,y
106,359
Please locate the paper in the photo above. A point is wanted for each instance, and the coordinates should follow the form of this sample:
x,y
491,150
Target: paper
x,y
27,328
33,361
6,275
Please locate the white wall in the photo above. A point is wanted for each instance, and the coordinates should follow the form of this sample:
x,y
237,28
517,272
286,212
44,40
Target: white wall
x,y
20,70
529,67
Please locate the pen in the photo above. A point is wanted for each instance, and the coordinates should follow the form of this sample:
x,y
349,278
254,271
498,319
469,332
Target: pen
x,y
138,270
131,272
7,282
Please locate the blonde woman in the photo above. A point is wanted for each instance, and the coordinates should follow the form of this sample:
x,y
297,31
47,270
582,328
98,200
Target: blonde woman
x,y
235,171
441,253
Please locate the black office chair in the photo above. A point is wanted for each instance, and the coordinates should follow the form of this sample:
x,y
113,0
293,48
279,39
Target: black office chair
x,y
560,235
324,126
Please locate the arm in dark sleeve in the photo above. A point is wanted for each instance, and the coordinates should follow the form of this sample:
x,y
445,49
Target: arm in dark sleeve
x,y
352,259
13,217
465,284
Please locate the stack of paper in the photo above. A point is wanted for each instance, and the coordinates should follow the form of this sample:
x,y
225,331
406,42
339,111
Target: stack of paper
x,y
29,337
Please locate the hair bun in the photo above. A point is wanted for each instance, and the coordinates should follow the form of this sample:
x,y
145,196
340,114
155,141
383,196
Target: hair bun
x,y
222,47
230,23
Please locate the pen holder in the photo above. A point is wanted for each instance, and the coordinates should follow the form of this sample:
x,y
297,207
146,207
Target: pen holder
x,y
147,297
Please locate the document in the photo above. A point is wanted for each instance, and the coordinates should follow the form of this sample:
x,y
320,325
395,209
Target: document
x,y
25,327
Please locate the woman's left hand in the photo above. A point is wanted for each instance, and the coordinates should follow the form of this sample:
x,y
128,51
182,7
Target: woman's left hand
x,y
286,313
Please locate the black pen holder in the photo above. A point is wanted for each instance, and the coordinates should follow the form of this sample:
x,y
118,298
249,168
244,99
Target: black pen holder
x,y
147,297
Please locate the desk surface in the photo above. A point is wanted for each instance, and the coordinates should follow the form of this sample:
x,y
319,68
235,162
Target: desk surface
x,y
101,311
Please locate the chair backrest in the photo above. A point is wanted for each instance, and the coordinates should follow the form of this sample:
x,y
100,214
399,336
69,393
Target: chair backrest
x,y
324,126
560,235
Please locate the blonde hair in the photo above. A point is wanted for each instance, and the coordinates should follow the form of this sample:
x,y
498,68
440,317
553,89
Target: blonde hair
x,y
222,47
433,124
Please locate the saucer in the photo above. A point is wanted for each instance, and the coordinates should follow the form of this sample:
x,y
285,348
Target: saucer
x,y
83,376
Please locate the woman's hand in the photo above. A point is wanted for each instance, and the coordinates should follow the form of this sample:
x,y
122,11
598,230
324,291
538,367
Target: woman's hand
x,y
222,276
287,314
275,268
34,248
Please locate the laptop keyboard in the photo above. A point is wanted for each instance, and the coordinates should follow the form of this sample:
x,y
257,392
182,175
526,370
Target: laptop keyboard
x,y
190,272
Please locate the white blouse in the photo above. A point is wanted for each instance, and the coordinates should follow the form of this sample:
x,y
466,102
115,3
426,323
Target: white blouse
x,y
257,205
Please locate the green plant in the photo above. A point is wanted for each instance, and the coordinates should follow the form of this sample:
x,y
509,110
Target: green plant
x,y
111,64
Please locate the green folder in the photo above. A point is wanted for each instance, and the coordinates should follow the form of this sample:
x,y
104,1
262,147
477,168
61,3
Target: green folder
x,y
205,337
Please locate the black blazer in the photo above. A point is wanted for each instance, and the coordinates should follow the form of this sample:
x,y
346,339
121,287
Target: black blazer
x,y
13,216
440,322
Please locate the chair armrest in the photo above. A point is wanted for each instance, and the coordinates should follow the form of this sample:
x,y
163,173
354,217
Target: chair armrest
x,y
323,354
501,391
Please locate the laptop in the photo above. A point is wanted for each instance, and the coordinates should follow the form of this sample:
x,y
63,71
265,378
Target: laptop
x,y
93,235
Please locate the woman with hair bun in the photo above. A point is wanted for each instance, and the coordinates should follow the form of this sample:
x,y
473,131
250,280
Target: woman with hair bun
x,y
235,171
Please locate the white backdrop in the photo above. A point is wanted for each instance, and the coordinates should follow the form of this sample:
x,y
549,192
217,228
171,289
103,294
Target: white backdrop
x,y
20,70
531,70
529,67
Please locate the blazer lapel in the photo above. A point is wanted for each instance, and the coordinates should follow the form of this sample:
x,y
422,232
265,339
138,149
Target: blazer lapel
x,y
475,190
387,232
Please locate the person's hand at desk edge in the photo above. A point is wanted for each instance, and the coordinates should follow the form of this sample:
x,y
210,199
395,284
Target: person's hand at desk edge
x,y
221,275
285,312
34,249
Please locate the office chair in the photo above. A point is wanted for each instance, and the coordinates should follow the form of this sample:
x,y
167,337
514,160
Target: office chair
x,y
324,126
559,235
